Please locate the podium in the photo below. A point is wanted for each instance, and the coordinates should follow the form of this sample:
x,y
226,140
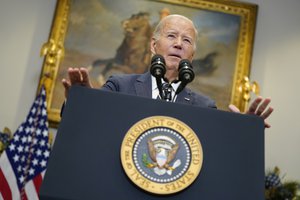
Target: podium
x,y
85,161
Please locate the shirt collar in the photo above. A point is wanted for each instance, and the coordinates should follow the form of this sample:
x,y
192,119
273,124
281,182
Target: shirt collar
x,y
154,84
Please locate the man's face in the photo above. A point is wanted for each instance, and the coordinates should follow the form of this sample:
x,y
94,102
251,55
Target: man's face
x,y
176,42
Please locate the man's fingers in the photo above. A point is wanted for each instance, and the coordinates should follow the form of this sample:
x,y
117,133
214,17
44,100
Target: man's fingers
x,y
74,76
267,125
85,77
79,76
254,105
67,86
262,107
267,113
233,108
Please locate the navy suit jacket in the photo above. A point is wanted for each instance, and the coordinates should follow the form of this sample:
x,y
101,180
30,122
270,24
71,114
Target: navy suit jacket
x,y
141,85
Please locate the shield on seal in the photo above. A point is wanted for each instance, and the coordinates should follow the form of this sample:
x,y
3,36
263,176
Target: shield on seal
x,y
161,157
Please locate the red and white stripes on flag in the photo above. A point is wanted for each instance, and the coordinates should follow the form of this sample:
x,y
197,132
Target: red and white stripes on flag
x,y
23,163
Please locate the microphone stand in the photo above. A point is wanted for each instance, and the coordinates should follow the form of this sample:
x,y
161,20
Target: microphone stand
x,y
158,70
164,91
180,87
159,86
167,91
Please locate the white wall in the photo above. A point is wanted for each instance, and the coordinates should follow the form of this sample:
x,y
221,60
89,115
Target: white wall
x,y
25,26
276,66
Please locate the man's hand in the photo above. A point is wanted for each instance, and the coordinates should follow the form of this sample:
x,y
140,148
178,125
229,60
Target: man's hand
x,y
77,76
258,107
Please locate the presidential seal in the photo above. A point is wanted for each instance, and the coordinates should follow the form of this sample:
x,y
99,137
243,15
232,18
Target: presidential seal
x,y
161,155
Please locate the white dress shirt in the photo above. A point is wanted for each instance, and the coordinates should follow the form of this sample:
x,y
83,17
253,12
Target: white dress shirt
x,y
155,91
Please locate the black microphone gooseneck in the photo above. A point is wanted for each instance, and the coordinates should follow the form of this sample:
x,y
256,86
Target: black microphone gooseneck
x,y
158,70
185,74
167,91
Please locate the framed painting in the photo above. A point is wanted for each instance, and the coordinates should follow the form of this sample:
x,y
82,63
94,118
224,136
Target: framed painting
x,y
110,37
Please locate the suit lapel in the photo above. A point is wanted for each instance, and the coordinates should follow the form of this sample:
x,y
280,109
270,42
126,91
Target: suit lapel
x,y
143,85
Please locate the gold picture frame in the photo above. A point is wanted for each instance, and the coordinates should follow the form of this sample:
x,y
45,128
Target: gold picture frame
x,y
228,26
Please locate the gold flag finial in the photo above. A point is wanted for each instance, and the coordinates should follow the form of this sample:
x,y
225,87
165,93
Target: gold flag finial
x,y
246,87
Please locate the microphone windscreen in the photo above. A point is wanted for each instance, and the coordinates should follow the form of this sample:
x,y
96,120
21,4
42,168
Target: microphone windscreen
x,y
185,62
158,68
158,58
185,71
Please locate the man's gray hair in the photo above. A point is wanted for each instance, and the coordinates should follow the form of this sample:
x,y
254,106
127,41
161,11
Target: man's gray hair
x,y
160,25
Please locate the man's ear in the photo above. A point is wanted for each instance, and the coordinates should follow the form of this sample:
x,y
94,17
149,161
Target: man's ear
x,y
153,45
192,57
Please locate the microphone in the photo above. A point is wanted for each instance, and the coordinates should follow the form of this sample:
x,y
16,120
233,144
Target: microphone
x,y
158,70
158,66
185,74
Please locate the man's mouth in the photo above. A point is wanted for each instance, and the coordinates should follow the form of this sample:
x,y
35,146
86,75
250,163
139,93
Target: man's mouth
x,y
175,55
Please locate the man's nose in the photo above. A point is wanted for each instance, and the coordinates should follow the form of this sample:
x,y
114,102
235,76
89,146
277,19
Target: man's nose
x,y
178,43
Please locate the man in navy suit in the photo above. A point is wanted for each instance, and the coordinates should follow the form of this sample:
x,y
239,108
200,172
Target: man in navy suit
x,y
175,39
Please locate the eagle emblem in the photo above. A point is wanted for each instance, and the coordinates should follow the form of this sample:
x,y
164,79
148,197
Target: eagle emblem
x,y
162,150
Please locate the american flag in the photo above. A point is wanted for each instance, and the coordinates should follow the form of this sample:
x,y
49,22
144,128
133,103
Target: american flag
x,y
23,163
